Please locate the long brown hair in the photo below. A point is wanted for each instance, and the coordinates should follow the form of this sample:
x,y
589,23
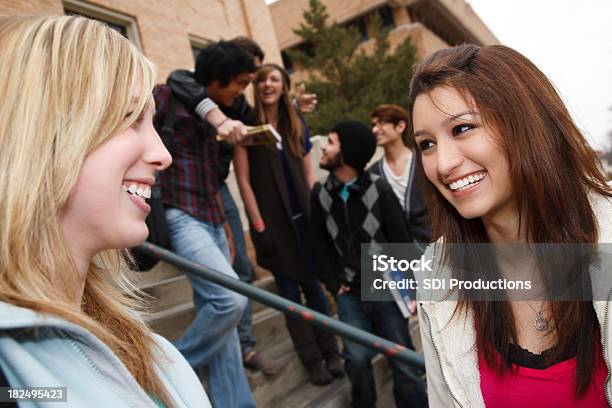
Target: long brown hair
x,y
290,124
552,171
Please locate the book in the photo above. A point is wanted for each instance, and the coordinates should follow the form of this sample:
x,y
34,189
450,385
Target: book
x,y
403,297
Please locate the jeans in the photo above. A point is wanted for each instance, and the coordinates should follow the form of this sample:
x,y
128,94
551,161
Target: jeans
x,y
211,341
385,320
241,265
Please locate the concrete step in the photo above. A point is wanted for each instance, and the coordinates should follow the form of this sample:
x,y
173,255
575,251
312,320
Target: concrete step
x,y
269,328
268,324
269,391
267,283
169,292
172,322
290,382
334,395
291,373
175,311
290,386
174,290
160,272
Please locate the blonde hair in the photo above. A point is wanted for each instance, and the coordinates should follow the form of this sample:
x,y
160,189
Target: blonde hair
x,y
67,84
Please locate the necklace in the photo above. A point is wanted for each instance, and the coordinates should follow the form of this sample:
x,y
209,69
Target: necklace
x,y
540,323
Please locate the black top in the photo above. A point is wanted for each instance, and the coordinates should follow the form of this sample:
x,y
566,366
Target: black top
x,y
369,215
527,359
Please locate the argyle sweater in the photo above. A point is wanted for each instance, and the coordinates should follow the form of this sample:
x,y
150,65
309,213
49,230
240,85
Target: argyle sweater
x,y
371,214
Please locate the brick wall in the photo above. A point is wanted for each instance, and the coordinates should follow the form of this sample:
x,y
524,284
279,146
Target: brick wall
x,y
30,7
164,27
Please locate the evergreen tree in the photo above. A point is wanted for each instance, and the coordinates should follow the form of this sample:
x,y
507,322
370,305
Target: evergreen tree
x,y
349,82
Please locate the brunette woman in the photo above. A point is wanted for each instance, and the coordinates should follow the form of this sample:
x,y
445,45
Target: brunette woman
x,y
505,164
274,182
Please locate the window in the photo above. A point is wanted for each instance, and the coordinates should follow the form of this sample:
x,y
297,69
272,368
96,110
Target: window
x,y
287,63
197,45
441,24
359,25
117,27
386,17
306,47
124,24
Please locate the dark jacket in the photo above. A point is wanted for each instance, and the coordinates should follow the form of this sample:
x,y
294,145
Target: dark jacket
x,y
414,207
278,248
372,213
190,183
190,93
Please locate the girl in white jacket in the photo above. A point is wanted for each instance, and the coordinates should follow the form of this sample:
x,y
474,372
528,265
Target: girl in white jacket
x,y
505,164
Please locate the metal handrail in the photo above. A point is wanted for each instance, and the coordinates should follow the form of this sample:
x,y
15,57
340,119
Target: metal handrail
x,y
288,307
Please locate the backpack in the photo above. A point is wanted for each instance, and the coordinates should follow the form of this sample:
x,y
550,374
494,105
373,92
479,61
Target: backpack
x,y
156,220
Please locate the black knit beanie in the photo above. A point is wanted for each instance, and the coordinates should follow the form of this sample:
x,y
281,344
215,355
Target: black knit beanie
x,y
357,143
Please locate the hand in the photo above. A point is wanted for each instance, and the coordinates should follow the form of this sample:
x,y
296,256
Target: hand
x,y
259,226
343,289
412,307
306,103
232,131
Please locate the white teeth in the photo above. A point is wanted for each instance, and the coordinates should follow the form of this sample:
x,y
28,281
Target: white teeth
x,y
465,182
141,191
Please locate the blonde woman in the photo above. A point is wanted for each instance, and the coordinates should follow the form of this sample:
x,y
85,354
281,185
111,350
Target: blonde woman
x,y
78,157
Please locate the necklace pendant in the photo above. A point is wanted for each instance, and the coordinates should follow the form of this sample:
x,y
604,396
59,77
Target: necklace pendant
x,y
540,323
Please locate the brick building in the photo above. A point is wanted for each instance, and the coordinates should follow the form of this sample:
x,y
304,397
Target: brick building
x,y
431,24
168,32
171,32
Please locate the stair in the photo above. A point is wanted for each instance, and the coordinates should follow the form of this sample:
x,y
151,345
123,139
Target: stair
x,y
170,294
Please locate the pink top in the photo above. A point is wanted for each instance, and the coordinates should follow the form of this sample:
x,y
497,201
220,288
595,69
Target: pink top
x,y
552,387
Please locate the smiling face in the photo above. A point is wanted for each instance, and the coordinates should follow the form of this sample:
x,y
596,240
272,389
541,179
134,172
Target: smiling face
x,y
270,88
386,132
460,156
107,208
226,95
331,156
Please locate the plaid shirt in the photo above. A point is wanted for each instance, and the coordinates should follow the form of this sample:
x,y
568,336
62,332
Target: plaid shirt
x,y
191,184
